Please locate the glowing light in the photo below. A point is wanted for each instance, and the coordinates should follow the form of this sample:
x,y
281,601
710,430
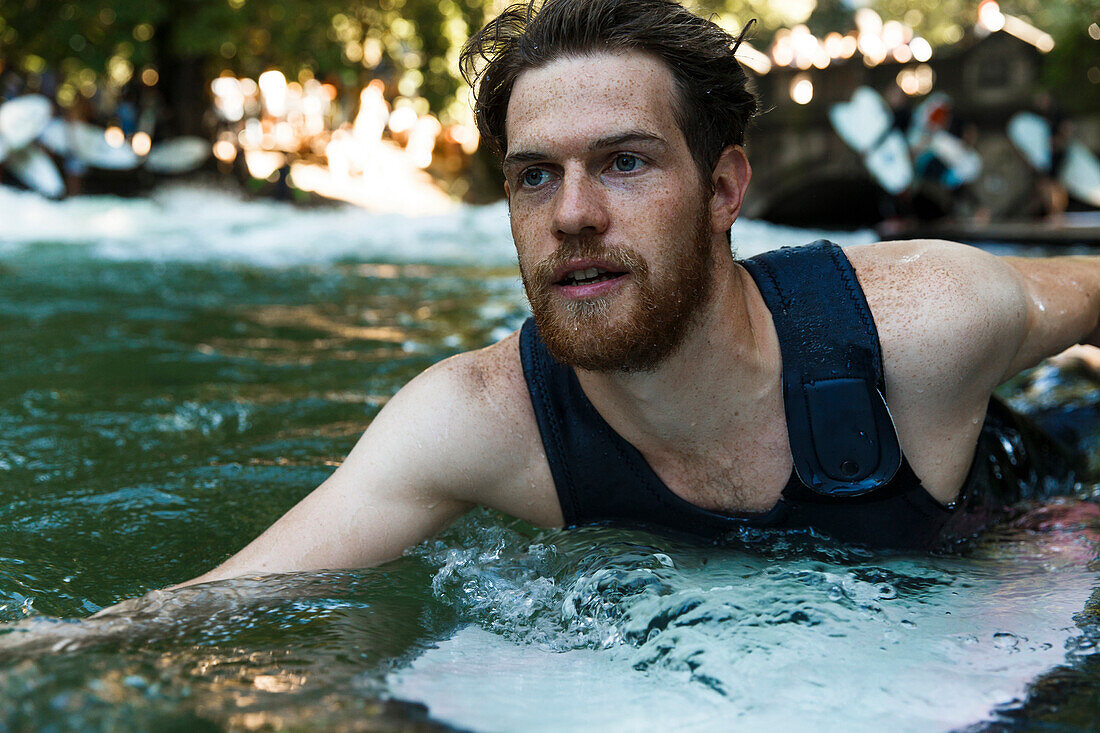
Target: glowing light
x,y
849,46
402,120
755,60
1094,32
465,136
225,151
916,81
926,78
263,164
783,54
990,16
1028,33
273,88
285,139
422,141
142,143
874,51
922,49
834,45
907,81
802,90
868,22
114,136
903,54
228,98
150,77
893,34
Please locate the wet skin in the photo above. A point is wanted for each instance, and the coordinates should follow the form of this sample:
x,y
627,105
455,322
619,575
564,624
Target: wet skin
x,y
594,154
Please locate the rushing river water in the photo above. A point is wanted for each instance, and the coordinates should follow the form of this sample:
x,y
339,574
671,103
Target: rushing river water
x,y
176,372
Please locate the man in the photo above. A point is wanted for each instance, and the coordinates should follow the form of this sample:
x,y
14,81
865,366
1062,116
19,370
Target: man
x,y
663,382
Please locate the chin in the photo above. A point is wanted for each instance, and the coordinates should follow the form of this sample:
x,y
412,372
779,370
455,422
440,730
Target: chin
x,y
586,336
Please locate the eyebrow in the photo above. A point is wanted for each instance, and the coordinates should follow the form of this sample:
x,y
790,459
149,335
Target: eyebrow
x,y
630,136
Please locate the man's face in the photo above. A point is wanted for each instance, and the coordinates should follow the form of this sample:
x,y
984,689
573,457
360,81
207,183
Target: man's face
x,y
609,216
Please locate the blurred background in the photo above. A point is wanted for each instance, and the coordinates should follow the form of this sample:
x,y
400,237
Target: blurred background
x,y
362,101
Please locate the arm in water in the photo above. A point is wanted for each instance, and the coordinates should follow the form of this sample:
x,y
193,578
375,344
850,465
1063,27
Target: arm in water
x,y
1063,301
458,435
454,437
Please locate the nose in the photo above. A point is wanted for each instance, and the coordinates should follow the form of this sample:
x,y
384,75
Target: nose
x,y
579,206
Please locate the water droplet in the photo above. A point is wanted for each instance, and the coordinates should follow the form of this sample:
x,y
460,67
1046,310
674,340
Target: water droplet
x,y
1006,641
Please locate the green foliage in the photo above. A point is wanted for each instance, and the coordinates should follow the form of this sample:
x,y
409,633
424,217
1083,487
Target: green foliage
x,y
415,43
348,40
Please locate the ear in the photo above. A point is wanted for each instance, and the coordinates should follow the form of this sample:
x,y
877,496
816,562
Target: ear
x,y
730,180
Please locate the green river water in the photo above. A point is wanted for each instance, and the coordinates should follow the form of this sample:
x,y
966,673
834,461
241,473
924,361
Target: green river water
x,y
169,386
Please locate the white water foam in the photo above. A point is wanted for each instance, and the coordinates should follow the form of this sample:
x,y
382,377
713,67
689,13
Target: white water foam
x,y
740,641
193,224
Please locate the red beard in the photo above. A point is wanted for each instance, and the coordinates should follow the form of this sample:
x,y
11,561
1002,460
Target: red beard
x,y
625,331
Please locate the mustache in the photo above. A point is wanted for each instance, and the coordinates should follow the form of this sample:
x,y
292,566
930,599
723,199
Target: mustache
x,y
590,248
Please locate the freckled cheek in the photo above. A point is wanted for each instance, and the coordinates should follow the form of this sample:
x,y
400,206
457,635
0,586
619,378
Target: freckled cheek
x,y
665,215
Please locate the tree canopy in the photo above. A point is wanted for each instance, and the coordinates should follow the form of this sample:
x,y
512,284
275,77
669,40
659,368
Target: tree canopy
x,y
415,43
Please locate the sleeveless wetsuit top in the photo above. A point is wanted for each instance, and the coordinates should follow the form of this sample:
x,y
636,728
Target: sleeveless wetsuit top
x,y
850,480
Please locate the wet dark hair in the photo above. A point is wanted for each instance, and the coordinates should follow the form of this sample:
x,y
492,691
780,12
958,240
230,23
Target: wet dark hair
x,y
715,104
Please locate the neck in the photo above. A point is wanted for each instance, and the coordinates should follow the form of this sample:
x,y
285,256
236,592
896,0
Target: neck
x,y
726,366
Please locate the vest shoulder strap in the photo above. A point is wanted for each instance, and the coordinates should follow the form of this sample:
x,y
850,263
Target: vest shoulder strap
x,y
842,436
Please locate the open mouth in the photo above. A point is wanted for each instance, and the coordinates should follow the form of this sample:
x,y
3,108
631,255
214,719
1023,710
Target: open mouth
x,y
588,276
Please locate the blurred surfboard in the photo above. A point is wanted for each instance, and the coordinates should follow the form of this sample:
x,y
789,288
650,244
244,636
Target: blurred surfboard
x,y
863,121
889,163
1080,174
962,162
178,155
1030,133
35,170
864,124
89,144
23,118
55,137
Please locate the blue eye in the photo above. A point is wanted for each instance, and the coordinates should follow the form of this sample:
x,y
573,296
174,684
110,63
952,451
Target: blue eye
x,y
534,177
625,163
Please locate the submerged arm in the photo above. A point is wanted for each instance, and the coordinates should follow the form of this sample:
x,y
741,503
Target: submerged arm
x,y
439,446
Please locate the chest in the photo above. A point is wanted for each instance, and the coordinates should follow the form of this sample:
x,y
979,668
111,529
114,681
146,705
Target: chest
x,y
745,473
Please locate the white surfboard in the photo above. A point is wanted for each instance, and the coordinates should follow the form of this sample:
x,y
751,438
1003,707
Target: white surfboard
x,y
23,118
1030,133
91,146
963,163
863,121
890,165
1080,174
36,171
178,155
55,137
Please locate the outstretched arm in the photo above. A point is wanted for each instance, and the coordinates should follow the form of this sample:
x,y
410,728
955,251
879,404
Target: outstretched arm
x,y
445,442
1062,300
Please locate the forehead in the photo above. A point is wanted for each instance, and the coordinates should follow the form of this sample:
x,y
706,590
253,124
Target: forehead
x,y
576,99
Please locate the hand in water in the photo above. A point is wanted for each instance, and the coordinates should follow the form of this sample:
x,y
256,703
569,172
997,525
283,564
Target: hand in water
x,y
156,614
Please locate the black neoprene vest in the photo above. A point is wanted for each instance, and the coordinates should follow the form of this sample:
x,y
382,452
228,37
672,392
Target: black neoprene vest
x,y
850,481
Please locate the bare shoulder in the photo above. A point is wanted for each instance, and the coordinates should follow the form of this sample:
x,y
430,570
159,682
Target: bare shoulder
x,y
473,414
950,319
947,314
